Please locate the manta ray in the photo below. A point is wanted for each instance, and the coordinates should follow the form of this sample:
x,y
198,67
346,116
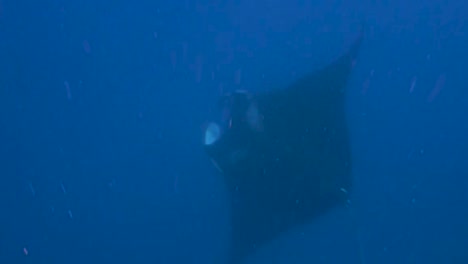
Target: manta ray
x,y
284,155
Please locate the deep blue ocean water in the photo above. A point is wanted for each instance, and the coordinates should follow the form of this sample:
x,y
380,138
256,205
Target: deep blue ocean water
x,y
102,105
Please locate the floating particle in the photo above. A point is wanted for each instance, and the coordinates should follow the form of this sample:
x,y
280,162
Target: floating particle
x,y
86,46
155,35
63,188
365,86
62,11
413,84
25,251
70,214
160,135
112,183
366,83
67,88
31,188
440,83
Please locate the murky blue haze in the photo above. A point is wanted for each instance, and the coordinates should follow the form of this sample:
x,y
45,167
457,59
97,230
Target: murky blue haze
x,y
102,105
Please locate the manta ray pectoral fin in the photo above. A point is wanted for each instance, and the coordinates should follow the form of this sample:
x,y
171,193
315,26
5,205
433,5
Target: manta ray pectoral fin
x,y
342,67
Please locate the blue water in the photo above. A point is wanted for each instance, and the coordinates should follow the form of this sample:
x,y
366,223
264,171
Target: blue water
x,y
102,105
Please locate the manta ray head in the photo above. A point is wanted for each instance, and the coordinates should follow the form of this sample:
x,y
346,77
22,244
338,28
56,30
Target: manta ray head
x,y
228,138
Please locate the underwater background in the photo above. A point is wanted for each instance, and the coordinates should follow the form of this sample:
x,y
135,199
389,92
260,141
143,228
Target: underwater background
x,y
102,106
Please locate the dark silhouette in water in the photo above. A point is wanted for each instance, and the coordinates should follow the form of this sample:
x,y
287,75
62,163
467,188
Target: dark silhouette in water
x,y
285,154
